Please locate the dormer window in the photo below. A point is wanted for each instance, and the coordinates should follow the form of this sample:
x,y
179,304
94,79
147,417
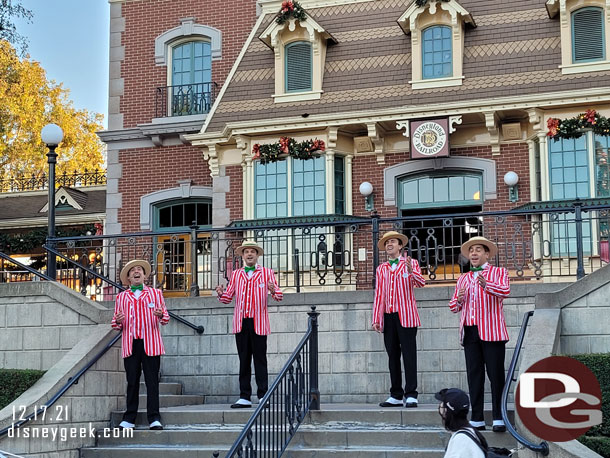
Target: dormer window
x,y
298,66
437,56
585,34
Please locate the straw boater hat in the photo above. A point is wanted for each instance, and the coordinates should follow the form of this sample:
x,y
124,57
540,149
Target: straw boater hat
x,y
248,244
391,235
130,265
493,249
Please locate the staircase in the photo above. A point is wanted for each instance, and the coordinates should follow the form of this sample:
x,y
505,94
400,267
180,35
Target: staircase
x,y
339,430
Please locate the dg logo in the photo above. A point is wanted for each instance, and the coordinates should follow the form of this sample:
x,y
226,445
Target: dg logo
x,y
559,399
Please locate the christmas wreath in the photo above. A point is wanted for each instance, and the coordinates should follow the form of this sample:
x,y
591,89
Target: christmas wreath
x,y
286,146
423,2
290,9
574,127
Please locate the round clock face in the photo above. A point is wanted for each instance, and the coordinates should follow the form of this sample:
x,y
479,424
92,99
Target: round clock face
x,y
429,138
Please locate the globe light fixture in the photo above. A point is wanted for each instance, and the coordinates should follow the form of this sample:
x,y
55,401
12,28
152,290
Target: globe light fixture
x,y
511,179
366,189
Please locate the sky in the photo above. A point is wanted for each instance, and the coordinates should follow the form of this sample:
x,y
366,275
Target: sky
x,y
70,40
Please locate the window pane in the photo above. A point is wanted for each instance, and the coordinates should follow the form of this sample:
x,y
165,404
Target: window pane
x,y
441,189
177,215
570,171
425,190
456,187
165,217
190,214
409,192
271,190
472,188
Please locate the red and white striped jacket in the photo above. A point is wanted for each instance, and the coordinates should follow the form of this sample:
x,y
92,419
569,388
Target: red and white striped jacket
x,y
394,293
483,307
251,298
140,322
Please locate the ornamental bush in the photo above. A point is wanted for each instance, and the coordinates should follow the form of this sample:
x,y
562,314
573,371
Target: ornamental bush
x,y
13,382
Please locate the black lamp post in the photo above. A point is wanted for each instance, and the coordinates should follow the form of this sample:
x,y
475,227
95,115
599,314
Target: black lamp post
x,y
51,135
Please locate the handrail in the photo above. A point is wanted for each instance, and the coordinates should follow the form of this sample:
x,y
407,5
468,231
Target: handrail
x,y
198,329
291,400
23,266
71,381
543,447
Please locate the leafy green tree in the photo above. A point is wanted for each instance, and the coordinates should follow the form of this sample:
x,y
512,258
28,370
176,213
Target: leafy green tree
x,y
10,10
29,102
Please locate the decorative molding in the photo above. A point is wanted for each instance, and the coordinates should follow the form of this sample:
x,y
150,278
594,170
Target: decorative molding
x,y
185,190
62,196
408,20
586,67
491,122
536,119
332,136
297,97
211,155
404,124
375,133
487,167
453,121
437,82
187,29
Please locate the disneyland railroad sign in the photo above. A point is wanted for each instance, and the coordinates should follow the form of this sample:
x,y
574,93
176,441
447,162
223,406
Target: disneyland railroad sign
x,y
429,138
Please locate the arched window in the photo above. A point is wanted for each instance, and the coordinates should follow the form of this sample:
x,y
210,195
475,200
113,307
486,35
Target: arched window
x,y
191,78
588,35
436,52
441,190
181,214
298,66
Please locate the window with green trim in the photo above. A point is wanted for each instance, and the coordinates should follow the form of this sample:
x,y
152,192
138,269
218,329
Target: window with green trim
x,y
339,185
298,71
191,78
602,167
569,168
440,190
588,35
437,57
308,190
271,189
181,214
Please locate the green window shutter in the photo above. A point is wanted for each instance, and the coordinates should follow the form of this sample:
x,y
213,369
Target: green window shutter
x,y
298,67
588,35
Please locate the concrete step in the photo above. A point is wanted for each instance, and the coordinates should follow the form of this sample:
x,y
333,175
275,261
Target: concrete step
x,y
171,400
164,388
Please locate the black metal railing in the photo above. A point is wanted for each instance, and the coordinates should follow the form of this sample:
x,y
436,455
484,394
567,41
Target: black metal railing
x,y
542,447
26,273
37,182
565,242
283,409
185,99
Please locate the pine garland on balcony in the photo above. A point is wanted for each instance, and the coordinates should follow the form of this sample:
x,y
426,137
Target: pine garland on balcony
x,y
287,146
424,2
575,127
290,9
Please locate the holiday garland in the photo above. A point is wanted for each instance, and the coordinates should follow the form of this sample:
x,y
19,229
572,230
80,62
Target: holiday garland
x,y
307,149
574,127
423,2
290,9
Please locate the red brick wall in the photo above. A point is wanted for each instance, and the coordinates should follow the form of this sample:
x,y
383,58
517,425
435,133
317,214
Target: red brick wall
x,y
235,199
514,156
147,170
147,19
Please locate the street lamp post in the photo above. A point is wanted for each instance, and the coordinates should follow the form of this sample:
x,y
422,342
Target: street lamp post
x,y
51,135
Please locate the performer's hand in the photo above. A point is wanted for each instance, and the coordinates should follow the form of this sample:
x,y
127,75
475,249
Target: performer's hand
x,y
461,294
271,287
158,312
119,317
409,265
482,281
377,327
220,289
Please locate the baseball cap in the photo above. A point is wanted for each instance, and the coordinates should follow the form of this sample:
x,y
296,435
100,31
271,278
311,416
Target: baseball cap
x,y
454,398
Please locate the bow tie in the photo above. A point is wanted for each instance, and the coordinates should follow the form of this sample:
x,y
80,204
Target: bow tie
x,y
393,261
476,269
135,288
249,269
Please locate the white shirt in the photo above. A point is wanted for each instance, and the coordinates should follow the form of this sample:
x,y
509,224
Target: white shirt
x,y
463,446
251,272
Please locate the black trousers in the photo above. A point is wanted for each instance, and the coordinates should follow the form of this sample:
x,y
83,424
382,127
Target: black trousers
x,y
134,365
249,345
400,341
481,356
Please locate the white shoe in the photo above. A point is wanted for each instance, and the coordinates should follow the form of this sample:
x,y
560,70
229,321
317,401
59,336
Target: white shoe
x,y
410,402
241,404
156,425
126,425
391,402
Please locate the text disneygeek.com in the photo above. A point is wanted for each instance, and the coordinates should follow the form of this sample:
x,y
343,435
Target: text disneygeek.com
x,y
63,433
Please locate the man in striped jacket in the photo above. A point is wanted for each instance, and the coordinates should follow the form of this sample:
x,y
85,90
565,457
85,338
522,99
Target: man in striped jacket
x,y
138,312
251,327
395,315
479,295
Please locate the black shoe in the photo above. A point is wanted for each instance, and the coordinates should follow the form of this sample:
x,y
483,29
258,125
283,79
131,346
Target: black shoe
x,y
388,403
240,406
410,404
478,428
499,428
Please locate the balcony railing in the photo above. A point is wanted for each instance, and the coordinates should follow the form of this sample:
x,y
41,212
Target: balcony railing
x,y
41,181
185,99
562,243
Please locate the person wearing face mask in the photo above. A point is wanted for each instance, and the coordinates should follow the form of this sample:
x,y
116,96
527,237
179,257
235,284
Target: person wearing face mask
x,y
478,297
395,315
251,326
138,312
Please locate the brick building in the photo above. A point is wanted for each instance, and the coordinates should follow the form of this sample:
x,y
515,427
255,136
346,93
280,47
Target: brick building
x,y
359,75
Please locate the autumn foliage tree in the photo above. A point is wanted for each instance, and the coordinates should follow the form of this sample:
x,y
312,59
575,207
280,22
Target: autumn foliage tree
x,y
28,101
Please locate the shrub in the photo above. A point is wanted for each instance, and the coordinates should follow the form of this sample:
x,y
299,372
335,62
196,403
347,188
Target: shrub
x,y
13,382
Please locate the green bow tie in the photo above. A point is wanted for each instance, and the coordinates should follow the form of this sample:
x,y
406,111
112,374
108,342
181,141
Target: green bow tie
x,y
476,269
249,269
135,288
393,261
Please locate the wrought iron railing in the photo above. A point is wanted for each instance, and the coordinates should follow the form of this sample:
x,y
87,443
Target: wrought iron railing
x,y
36,182
284,408
185,99
542,447
564,242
